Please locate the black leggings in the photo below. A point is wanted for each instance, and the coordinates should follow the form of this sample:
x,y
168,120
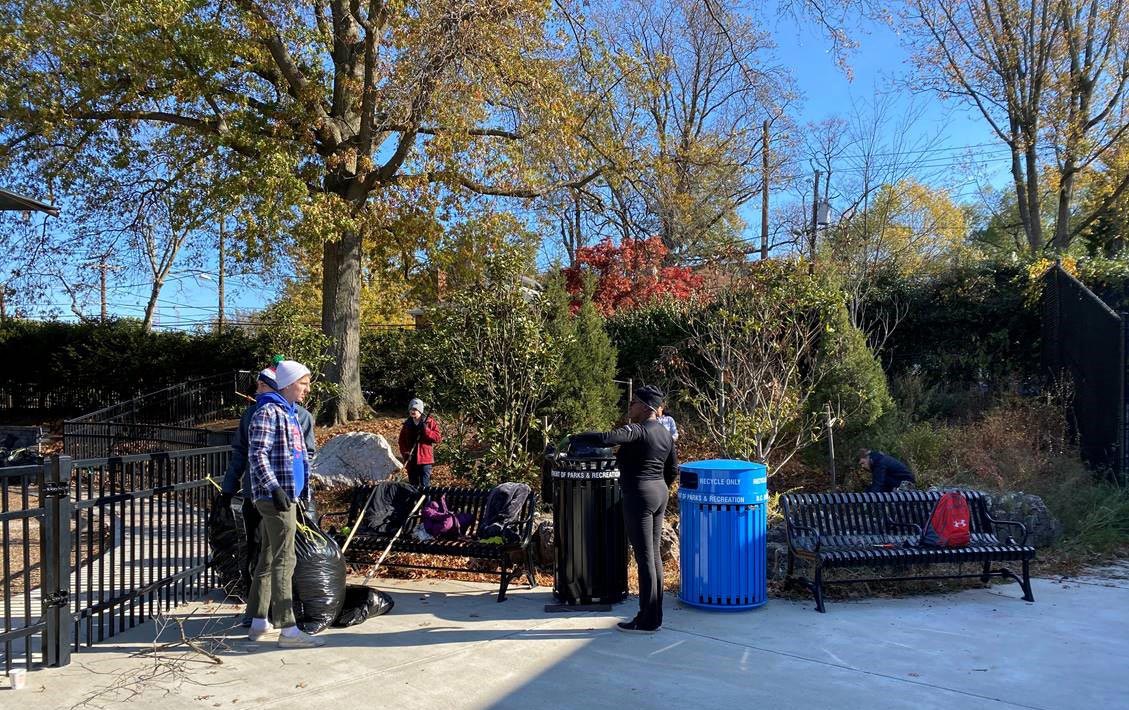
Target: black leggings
x,y
644,504
251,520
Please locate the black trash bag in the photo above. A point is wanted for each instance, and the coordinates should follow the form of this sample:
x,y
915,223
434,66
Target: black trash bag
x,y
362,603
319,577
229,549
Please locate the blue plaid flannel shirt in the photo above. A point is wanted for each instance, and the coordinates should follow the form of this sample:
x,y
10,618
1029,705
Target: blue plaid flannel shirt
x,y
270,452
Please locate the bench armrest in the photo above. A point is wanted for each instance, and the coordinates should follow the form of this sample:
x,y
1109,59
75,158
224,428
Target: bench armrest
x,y
888,524
913,527
527,534
1014,524
792,526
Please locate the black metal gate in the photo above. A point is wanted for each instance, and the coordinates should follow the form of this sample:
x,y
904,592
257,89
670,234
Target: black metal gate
x,y
1086,340
34,532
96,546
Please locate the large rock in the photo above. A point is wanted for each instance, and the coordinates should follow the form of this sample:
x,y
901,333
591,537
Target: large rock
x,y
1043,528
777,532
354,458
776,561
668,543
544,542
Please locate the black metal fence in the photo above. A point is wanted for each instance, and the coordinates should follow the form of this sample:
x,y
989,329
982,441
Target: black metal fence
x,y
168,419
119,539
1085,340
45,400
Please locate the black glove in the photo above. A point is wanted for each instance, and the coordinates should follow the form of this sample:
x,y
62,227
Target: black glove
x,y
224,500
281,500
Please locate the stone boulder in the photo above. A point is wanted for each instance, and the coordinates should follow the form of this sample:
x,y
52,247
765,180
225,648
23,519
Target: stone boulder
x,y
777,532
668,544
354,458
544,543
1043,528
776,561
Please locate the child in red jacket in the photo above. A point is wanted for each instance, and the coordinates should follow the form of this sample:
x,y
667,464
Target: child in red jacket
x,y
418,437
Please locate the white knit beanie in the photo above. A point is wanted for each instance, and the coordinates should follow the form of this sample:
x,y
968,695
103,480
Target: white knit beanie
x,y
288,372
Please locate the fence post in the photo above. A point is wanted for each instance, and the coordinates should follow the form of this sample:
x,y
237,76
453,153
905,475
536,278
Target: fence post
x,y
1123,430
55,497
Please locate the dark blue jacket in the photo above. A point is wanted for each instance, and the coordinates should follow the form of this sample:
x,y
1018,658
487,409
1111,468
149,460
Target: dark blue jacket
x,y
886,473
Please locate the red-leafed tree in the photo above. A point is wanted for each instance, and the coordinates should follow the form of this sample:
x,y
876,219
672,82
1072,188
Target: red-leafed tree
x,y
629,274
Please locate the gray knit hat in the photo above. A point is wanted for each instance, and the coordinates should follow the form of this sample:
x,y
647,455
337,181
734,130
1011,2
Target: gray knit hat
x,y
417,404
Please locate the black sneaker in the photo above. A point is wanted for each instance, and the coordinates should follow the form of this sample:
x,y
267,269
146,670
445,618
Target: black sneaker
x,y
631,627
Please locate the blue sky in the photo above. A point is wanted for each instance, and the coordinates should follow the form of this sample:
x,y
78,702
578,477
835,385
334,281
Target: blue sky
x,y
880,64
877,64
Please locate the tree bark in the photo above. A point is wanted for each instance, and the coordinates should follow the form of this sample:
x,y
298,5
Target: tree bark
x,y
151,304
341,321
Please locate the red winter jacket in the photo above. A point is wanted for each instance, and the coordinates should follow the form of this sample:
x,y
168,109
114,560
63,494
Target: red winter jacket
x,y
420,438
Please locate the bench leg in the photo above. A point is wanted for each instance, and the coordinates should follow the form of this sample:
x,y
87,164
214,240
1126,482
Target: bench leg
x,y
986,575
817,589
1027,595
529,574
506,575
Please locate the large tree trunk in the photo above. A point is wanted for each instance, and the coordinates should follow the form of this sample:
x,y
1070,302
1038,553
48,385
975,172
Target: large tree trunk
x,y
341,321
151,304
1065,193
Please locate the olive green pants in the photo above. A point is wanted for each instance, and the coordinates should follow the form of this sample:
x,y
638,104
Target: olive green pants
x,y
271,585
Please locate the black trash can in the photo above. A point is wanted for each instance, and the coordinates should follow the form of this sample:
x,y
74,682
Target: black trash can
x,y
591,543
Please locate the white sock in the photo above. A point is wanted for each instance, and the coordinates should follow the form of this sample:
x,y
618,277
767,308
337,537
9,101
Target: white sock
x,y
259,625
290,632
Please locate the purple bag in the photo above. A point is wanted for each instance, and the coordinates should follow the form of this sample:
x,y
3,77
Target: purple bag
x,y
438,521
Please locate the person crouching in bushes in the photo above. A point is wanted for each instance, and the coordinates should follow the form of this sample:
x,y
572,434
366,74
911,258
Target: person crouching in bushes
x,y
279,469
886,472
418,437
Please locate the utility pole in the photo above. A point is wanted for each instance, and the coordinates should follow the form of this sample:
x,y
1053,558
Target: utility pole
x,y
831,449
764,190
219,320
102,267
814,213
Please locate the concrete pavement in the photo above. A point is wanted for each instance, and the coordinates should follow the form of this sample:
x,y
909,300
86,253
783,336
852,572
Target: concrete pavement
x,y
448,644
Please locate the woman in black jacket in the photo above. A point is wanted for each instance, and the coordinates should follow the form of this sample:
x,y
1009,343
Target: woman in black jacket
x,y
647,467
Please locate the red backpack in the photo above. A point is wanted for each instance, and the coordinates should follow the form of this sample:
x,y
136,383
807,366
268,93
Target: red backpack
x,y
949,525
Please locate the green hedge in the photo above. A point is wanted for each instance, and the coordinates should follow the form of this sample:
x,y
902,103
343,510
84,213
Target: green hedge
x,y
119,358
970,325
393,369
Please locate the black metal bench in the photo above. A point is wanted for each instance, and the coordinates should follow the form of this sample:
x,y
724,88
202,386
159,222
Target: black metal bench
x,y
462,500
831,530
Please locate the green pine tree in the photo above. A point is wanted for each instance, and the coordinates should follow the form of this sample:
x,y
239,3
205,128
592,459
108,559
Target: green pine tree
x,y
585,396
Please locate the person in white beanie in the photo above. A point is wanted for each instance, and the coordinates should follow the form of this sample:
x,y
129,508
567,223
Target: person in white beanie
x,y
235,480
279,466
417,440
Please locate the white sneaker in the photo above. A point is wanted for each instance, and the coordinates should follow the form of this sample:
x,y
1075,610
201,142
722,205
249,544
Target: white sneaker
x,y
253,635
301,640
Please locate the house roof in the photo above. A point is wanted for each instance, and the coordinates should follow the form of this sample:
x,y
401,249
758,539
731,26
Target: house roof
x,y
12,201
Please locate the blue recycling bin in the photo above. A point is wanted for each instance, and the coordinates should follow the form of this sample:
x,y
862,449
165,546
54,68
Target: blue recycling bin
x,y
723,521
